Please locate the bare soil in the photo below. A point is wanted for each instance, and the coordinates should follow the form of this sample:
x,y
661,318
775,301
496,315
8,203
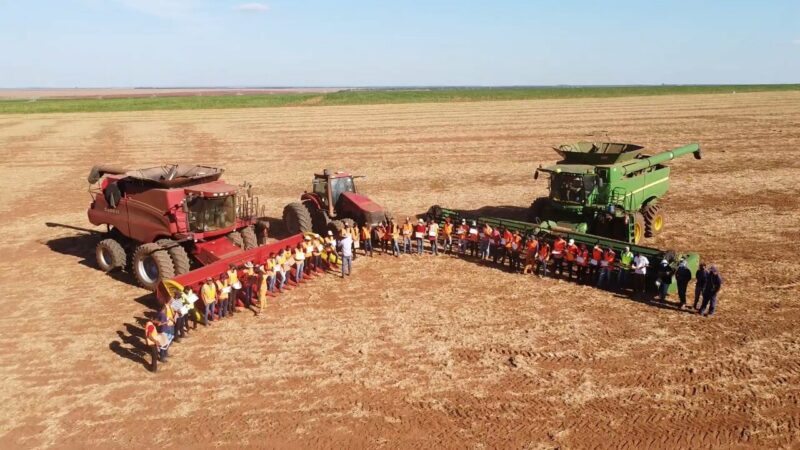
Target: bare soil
x,y
417,351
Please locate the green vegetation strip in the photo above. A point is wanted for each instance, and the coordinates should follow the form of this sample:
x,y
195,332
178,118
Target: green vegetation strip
x,y
364,97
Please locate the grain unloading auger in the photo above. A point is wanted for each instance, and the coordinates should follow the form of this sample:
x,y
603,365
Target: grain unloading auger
x,y
549,232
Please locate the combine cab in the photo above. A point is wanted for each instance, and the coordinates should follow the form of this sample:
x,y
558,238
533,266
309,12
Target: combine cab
x,y
162,221
607,189
332,203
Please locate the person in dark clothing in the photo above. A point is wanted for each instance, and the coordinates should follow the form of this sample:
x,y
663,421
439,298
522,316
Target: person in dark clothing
x,y
699,283
665,273
710,290
682,276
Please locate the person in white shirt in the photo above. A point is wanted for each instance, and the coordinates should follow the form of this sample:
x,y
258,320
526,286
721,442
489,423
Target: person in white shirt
x,y
346,246
640,263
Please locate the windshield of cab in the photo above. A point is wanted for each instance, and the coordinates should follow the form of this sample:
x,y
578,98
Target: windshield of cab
x,y
340,185
571,187
209,214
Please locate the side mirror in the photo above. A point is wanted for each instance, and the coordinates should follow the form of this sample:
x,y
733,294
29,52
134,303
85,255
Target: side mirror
x,y
185,205
536,174
697,154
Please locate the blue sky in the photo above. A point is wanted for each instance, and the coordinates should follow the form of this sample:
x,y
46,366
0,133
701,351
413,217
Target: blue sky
x,y
126,43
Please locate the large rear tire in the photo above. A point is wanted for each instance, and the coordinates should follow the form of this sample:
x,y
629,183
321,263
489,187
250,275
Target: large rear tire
x,y
236,238
180,259
638,227
249,238
151,264
262,231
297,218
653,220
110,255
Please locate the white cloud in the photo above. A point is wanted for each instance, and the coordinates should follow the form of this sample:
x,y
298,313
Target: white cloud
x,y
252,7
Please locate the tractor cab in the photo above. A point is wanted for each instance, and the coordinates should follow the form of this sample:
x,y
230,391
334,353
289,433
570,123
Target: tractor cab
x,y
571,185
328,187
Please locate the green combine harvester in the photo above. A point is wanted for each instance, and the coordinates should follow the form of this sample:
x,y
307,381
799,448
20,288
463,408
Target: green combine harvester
x,y
606,189
548,232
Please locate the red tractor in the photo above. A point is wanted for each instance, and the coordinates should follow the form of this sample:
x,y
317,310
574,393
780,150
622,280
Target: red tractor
x,y
332,203
157,218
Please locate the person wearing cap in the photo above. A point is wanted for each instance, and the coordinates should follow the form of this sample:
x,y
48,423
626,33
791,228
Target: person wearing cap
x,y
570,255
223,294
165,321
640,263
249,281
682,276
419,235
208,293
179,316
473,238
700,277
665,273
346,246
711,288
236,286
625,263
278,273
606,266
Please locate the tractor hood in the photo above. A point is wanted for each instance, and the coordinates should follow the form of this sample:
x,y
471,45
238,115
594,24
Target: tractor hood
x,y
358,205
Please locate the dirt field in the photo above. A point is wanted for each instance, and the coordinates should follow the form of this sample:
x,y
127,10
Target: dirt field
x,y
411,352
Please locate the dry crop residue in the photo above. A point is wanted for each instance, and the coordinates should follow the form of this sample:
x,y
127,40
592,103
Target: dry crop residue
x,y
416,351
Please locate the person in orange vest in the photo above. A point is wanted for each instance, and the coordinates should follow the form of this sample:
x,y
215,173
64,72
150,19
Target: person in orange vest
x,y
461,234
515,259
208,293
543,258
557,255
235,285
504,245
394,232
606,265
223,295
531,245
582,262
366,239
473,238
570,255
447,236
408,230
594,263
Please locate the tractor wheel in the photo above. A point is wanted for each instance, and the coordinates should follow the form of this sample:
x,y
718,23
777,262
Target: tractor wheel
x,y
336,226
297,218
434,212
638,227
262,231
180,259
151,264
236,238
249,237
536,214
653,220
110,255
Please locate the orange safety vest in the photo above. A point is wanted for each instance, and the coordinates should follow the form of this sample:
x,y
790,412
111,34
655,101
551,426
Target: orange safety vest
x,y
507,237
609,256
209,293
448,229
558,247
572,252
220,286
597,253
544,251
584,255
365,233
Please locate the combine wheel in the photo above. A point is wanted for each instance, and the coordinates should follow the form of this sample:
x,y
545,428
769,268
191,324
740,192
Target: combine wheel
x,y
249,237
180,259
297,218
236,238
653,220
151,264
638,227
110,255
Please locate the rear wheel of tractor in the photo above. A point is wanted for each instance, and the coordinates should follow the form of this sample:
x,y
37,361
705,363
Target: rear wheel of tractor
x,y
236,238
151,264
110,255
653,220
536,213
297,218
249,237
638,227
180,259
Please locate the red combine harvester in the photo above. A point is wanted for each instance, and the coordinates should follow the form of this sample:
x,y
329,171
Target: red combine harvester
x,y
157,217
332,203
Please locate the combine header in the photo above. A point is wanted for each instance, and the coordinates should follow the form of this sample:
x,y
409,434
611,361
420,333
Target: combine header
x,y
607,189
549,232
